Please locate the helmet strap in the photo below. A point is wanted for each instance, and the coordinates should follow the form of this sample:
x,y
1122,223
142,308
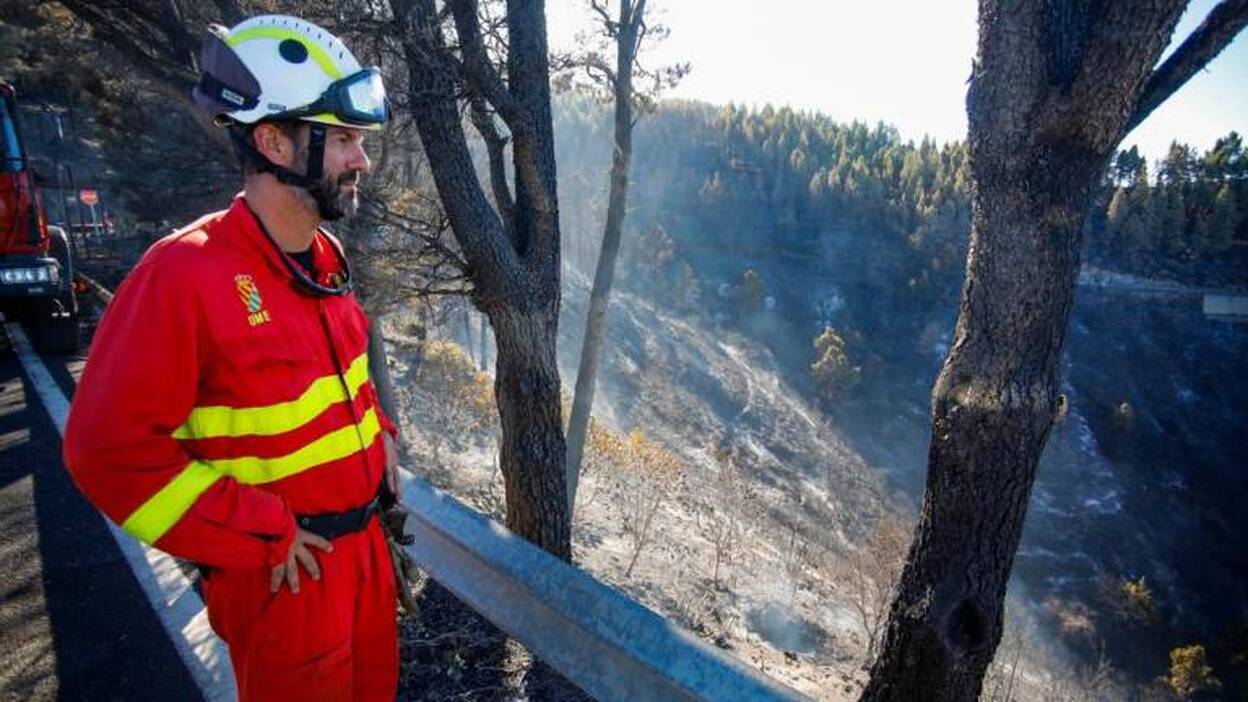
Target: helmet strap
x,y
320,191
310,181
316,151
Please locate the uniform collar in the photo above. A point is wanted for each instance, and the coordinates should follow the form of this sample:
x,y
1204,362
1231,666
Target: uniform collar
x,y
327,255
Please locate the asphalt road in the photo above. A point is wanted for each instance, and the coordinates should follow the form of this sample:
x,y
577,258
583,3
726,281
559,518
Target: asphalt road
x,y
74,622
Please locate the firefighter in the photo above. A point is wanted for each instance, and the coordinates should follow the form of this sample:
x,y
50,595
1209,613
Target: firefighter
x,y
226,415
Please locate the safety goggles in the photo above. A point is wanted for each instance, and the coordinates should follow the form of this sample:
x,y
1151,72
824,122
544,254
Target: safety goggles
x,y
358,99
340,285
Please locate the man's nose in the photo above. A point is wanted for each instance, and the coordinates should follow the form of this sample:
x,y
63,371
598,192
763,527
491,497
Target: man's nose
x,y
359,158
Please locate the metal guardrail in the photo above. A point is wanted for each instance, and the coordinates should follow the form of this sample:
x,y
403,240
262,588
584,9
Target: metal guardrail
x,y
95,288
608,645
1232,308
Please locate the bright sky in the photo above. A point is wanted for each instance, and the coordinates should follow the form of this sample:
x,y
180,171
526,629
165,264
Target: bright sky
x,y
905,62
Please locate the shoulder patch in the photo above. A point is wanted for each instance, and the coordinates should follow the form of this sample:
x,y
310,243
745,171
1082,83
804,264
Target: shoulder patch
x,y
249,294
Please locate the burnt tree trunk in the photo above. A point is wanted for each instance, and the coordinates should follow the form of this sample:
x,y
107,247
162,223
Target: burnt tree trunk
x,y
626,42
526,385
514,266
1054,88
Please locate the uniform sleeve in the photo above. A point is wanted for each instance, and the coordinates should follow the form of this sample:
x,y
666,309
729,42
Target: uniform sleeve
x,y
387,425
139,385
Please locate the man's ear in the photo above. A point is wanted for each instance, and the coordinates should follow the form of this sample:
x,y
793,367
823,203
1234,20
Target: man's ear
x,y
272,141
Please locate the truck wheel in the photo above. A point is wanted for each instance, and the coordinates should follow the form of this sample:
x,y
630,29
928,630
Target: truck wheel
x,y
56,328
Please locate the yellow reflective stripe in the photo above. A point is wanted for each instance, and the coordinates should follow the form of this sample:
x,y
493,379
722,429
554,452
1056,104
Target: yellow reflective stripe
x,y
315,50
357,374
324,392
335,445
327,118
330,119
161,511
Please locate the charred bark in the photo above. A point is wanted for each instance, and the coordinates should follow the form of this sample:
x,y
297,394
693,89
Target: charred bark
x,y
526,384
1053,88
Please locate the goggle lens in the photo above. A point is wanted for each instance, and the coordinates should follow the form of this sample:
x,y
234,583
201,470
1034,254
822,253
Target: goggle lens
x,y
366,97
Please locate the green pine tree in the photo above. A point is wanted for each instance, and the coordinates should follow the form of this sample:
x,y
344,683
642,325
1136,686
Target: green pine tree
x,y
1221,224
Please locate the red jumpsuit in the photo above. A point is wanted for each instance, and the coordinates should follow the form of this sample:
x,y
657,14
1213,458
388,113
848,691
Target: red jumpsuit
x,y
219,400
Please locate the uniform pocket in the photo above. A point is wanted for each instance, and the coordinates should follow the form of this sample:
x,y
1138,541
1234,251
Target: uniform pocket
x,y
262,367
274,346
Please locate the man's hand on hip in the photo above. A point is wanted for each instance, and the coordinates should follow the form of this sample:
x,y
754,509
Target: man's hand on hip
x,y
299,553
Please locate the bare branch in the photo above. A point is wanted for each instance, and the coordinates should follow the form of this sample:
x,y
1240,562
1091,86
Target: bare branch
x,y
1210,38
414,254
638,19
479,70
231,13
155,46
495,143
136,35
599,70
480,74
494,264
609,25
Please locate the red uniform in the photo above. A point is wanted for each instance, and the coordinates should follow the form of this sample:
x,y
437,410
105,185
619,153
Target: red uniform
x,y
220,399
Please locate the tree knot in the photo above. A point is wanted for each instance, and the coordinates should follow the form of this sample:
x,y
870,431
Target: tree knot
x,y
967,629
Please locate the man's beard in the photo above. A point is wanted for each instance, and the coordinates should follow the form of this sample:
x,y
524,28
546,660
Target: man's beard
x,y
331,202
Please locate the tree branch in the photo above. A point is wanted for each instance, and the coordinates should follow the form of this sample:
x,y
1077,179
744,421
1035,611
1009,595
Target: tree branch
x,y
481,76
533,153
132,33
495,143
479,70
609,25
231,12
638,19
1214,34
137,36
599,71
493,263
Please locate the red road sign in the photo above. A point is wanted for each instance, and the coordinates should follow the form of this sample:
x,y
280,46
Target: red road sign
x,y
88,197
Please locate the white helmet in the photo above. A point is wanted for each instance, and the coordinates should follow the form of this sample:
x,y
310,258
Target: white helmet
x,y
282,67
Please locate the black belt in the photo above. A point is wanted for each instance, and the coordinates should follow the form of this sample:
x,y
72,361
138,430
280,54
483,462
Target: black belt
x,y
331,525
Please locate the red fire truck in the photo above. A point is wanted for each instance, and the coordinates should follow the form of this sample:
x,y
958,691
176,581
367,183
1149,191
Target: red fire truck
x,y
36,270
